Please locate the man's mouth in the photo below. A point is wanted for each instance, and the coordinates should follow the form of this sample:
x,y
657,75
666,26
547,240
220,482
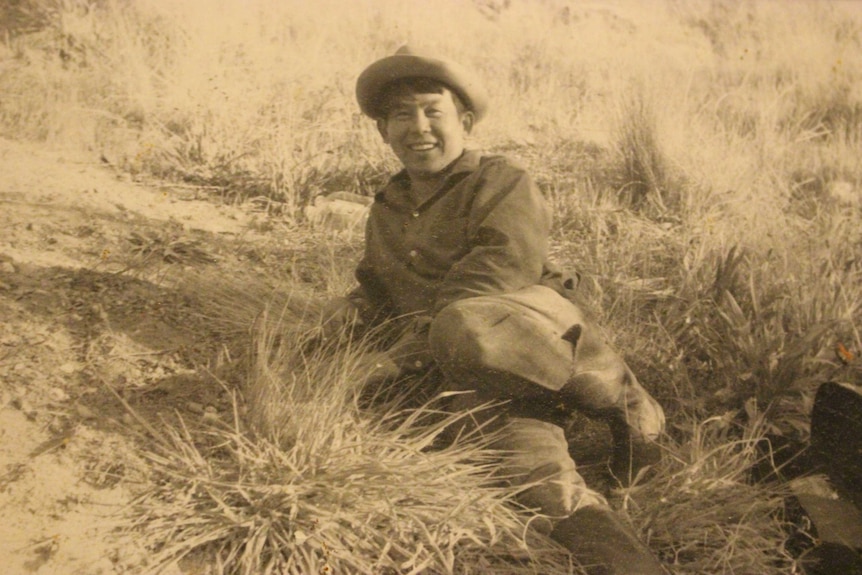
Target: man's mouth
x,y
422,147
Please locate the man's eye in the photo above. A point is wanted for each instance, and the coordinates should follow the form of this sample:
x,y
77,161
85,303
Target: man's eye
x,y
433,113
403,115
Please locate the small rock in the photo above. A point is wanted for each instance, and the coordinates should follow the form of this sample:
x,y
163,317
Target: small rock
x,y
69,368
195,407
84,412
210,409
210,416
59,426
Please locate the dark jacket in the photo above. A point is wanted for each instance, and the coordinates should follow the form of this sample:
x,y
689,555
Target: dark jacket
x,y
484,231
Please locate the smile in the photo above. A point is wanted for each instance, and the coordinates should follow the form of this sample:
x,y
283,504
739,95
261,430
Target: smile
x,y
423,147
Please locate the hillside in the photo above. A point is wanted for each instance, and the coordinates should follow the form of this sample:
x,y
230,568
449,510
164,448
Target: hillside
x,y
160,273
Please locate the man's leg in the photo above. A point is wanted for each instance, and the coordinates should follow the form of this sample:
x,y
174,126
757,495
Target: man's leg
x,y
537,464
530,350
535,343
535,458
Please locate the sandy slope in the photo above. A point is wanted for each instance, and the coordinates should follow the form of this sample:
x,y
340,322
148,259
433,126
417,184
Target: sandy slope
x,y
71,325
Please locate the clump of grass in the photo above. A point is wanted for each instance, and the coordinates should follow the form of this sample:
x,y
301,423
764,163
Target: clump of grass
x,y
750,332
701,511
167,247
644,173
308,482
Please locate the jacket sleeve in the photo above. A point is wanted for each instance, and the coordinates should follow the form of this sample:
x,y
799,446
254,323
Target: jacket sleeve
x,y
508,230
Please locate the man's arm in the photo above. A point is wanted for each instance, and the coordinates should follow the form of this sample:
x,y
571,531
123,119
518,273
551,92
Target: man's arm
x,y
370,297
508,231
366,303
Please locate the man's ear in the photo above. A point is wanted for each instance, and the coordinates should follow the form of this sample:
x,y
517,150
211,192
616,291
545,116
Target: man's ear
x,y
381,127
468,119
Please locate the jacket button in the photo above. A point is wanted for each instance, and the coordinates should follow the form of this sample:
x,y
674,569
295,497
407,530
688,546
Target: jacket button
x,y
413,253
415,214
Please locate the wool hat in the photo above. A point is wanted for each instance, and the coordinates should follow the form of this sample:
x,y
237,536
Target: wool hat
x,y
405,63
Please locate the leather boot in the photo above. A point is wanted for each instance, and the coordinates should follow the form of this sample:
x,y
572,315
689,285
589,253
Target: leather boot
x,y
604,544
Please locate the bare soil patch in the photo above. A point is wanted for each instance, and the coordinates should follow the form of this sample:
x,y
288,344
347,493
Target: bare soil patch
x,y
98,309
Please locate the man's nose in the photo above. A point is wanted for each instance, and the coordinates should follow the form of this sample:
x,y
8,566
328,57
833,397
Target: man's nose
x,y
421,123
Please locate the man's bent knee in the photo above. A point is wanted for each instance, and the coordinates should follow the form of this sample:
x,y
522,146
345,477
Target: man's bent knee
x,y
511,341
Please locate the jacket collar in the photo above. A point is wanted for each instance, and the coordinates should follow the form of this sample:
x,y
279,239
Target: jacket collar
x,y
397,193
467,162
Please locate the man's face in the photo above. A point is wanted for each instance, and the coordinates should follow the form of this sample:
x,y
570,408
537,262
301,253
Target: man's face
x,y
425,131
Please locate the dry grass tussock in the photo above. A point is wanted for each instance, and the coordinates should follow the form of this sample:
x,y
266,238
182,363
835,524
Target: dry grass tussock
x,y
703,513
308,481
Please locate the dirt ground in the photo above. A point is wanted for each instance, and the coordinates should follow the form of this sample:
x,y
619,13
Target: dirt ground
x,y
94,313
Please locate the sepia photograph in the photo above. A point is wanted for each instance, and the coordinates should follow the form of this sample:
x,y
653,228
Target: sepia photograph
x,y
455,287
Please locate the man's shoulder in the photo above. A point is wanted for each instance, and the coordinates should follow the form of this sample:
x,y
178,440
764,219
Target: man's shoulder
x,y
500,163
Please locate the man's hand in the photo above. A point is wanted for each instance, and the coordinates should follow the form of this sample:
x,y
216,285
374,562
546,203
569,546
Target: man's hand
x,y
411,352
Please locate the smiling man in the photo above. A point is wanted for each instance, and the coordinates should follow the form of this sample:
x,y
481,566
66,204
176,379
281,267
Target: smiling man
x,y
426,126
456,256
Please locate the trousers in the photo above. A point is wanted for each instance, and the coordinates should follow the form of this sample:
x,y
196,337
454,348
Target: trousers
x,y
536,355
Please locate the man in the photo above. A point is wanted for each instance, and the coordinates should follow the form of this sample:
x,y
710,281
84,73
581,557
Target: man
x,y
456,248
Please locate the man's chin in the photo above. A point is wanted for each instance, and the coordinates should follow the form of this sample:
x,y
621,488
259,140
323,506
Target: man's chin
x,y
426,172
430,169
